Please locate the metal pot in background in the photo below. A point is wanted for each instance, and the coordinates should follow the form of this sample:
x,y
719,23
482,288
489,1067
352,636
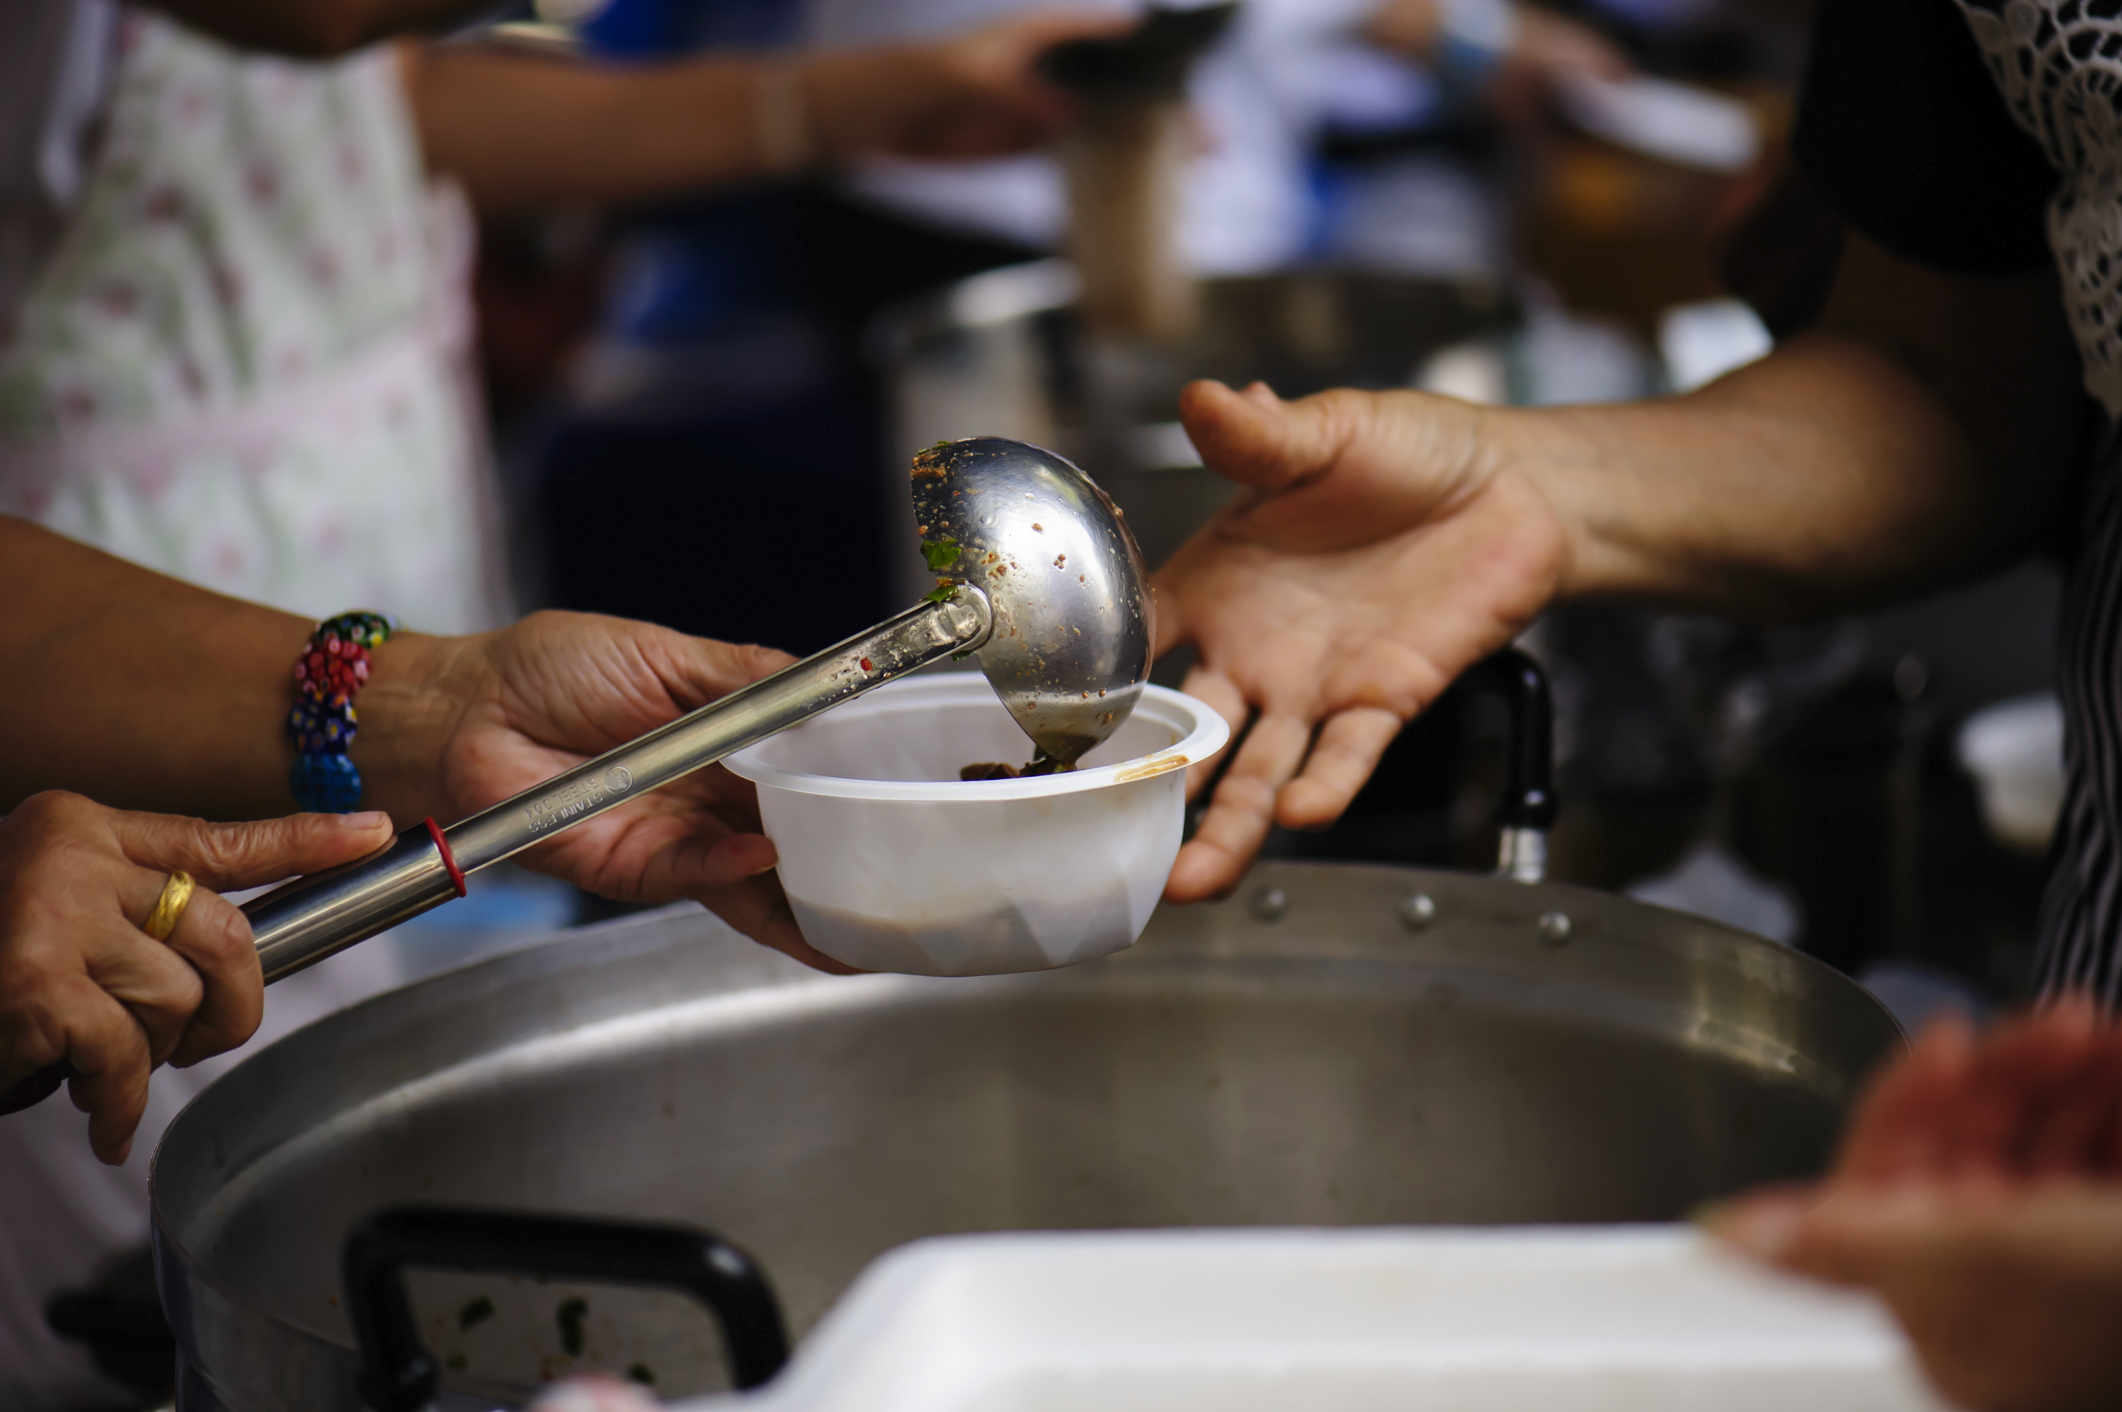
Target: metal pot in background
x,y
1004,353
1338,1045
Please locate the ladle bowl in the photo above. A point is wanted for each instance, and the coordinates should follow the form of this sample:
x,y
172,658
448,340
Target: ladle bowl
x,y
1074,625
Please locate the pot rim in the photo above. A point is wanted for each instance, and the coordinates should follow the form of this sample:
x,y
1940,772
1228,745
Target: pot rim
x,y
1204,733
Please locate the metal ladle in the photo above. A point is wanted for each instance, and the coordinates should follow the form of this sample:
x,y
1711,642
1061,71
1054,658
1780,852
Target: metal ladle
x,y
1073,618
1038,577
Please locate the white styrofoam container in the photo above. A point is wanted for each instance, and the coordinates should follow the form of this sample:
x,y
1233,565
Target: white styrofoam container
x,y
892,863
1526,1319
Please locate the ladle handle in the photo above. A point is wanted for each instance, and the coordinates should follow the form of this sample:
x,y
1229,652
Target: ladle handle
x,y
1529,805
302,922
398,1374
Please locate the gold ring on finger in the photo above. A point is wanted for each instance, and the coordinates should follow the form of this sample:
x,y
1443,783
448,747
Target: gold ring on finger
x,y
169,907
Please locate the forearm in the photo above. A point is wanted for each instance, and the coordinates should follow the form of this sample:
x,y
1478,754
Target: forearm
x,y
1815,481
1877,457
522,131
143,692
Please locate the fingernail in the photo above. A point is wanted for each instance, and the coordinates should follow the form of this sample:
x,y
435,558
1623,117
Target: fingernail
x,y
757,872
365,820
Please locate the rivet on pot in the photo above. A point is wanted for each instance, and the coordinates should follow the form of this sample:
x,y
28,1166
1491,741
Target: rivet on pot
x,y
1418,912
1554,928
1270,904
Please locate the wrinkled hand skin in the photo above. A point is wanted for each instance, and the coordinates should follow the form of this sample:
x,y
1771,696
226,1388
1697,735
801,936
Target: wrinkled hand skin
x,y
1377,551
79,980
1978,1192
521,705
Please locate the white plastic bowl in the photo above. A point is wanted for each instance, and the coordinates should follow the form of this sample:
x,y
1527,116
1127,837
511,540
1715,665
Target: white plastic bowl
x,y
892,863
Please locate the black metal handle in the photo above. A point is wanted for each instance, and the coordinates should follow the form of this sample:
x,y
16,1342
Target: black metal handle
x,y
1529,772
398,1374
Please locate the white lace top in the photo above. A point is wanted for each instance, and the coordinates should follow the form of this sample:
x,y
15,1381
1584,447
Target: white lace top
x,y
2059,65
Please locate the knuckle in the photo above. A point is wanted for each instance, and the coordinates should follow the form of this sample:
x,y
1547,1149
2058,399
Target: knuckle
x,y
119,1046
549,621
225,935
45,826
105,1035
175,1000
54,808
221,848
756,661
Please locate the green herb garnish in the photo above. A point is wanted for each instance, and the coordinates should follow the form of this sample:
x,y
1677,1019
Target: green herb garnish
x,y
940,555
569,1316
475,1312
941,593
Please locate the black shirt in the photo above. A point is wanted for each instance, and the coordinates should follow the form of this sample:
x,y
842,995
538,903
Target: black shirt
x,y
1902,130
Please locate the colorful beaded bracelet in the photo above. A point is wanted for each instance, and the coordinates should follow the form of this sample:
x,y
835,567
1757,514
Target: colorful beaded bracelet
x,y
331,669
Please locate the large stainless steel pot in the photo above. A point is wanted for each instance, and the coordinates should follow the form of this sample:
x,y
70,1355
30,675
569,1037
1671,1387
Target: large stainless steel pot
x,y
1337,1045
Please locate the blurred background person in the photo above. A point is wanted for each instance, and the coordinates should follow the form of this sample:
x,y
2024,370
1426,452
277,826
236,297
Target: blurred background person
x,y
234,286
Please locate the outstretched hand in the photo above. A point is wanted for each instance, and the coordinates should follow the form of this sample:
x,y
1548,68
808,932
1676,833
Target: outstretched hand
x,y
1978,1192
556,689
1377,551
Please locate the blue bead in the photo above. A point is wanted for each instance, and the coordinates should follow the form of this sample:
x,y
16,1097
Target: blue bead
x,y
318,728
325,784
